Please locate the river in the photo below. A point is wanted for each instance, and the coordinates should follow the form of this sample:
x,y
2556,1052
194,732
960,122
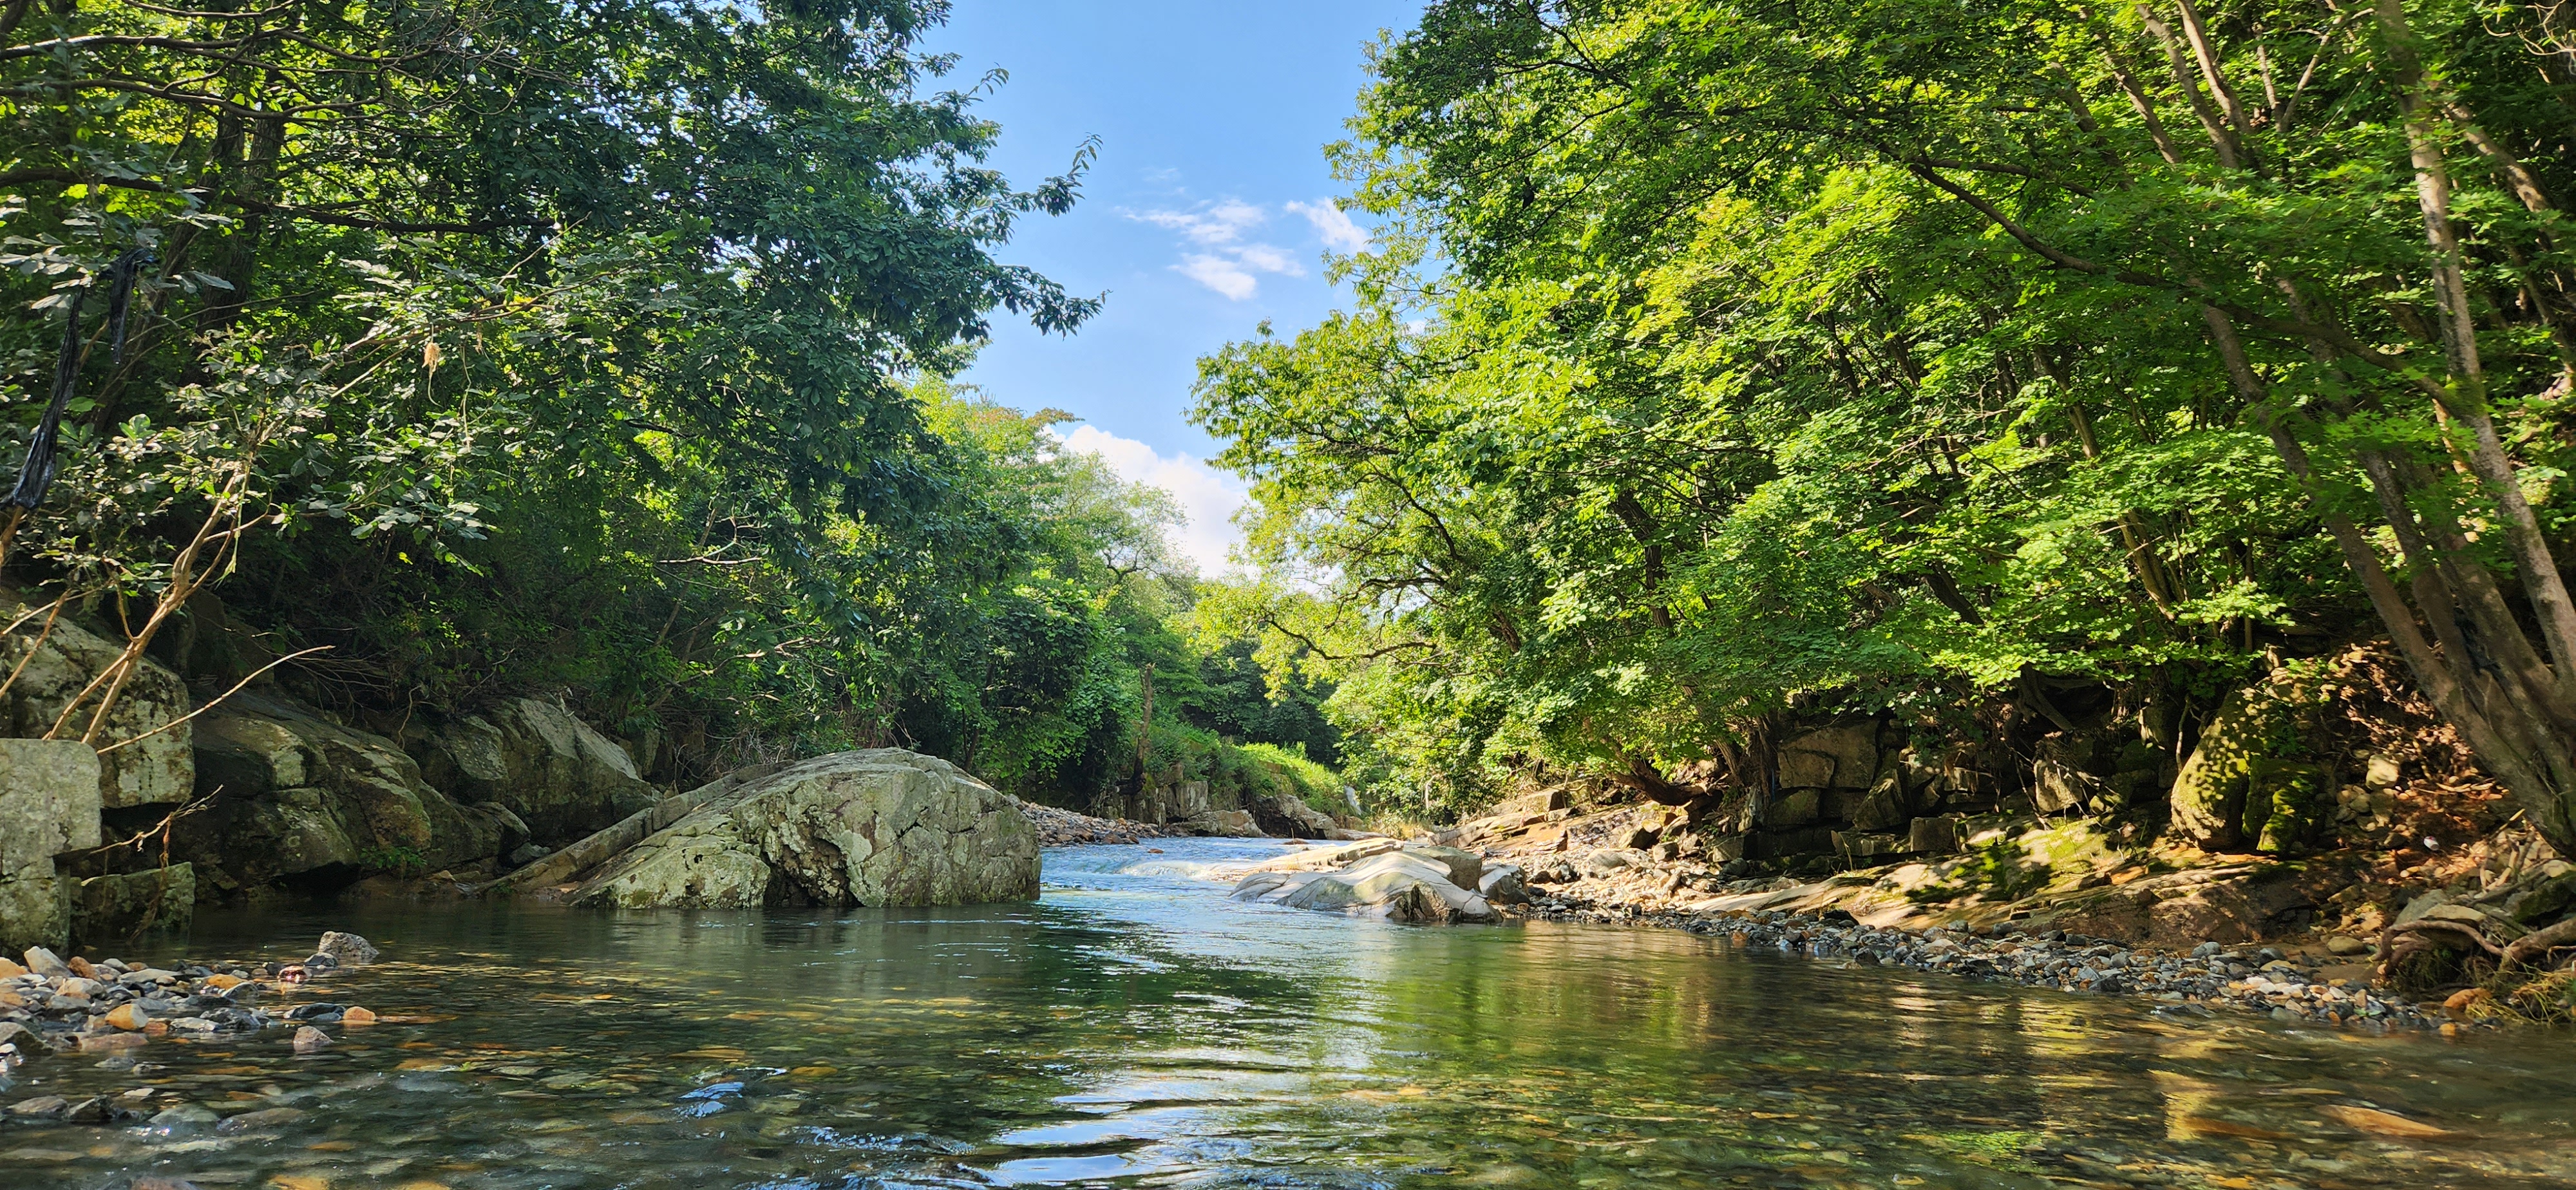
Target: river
x,y
1135,1028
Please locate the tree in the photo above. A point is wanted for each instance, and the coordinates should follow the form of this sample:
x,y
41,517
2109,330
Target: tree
x,y
598,318
1897,344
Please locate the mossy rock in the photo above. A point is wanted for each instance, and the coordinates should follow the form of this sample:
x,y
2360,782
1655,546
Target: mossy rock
x,y
2546,901
2286,801
2252,780
2209,793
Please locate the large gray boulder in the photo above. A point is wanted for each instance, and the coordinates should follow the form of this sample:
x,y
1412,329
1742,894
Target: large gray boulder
x,y
1226,824
877,827
1164,799
49,796
546,877
154,771
301,801
557,774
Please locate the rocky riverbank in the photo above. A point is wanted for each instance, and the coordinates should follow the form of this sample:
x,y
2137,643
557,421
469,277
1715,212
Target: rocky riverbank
x,y
1066,828
2059,906
2287,987
1630,888
51,1007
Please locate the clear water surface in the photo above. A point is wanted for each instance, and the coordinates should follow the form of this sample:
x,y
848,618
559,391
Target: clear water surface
x,y
1135,1028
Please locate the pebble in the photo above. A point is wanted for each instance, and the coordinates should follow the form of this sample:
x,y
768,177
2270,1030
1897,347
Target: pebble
x,y
115,1009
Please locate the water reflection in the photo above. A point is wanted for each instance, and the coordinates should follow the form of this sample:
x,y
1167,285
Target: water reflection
x,y
1134,1028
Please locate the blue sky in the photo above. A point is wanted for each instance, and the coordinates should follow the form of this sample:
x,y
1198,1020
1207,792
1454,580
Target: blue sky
x,y
1208,211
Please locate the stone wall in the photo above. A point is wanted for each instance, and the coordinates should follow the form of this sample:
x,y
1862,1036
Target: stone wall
x,y
2315,755
1856,790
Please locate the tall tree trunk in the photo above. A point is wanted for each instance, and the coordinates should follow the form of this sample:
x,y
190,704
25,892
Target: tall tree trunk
x,y
2465,393
2535,758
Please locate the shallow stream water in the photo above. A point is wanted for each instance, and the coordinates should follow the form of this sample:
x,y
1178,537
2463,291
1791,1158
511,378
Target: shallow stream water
x,y
1135,1028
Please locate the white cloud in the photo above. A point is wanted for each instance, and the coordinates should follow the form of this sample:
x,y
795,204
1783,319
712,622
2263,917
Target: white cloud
x,y
1268,259
1332,223
1220,274
1222,259
1207,496
1208,223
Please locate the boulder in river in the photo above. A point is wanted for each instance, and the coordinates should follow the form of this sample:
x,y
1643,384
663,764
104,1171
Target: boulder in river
x,y
345,949
1288,816
1374,878
1504,884
876,827
1234,824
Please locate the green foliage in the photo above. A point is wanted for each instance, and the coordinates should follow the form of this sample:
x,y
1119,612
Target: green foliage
x,y
394,860
1718,361
1235,698
1312,779
593,347
1243,774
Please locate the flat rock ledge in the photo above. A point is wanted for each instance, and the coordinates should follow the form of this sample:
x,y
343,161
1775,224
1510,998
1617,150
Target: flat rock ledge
x,y
1384,879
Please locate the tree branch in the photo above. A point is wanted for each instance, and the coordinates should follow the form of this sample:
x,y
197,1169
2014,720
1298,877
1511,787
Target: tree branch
x,y
19,177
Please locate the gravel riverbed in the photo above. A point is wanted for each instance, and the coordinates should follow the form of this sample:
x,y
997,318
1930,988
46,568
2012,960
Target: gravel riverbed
x,y
52,1007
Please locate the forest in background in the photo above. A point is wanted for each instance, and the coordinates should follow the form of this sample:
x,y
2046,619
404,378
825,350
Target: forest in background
x,y
1720,366
451,352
